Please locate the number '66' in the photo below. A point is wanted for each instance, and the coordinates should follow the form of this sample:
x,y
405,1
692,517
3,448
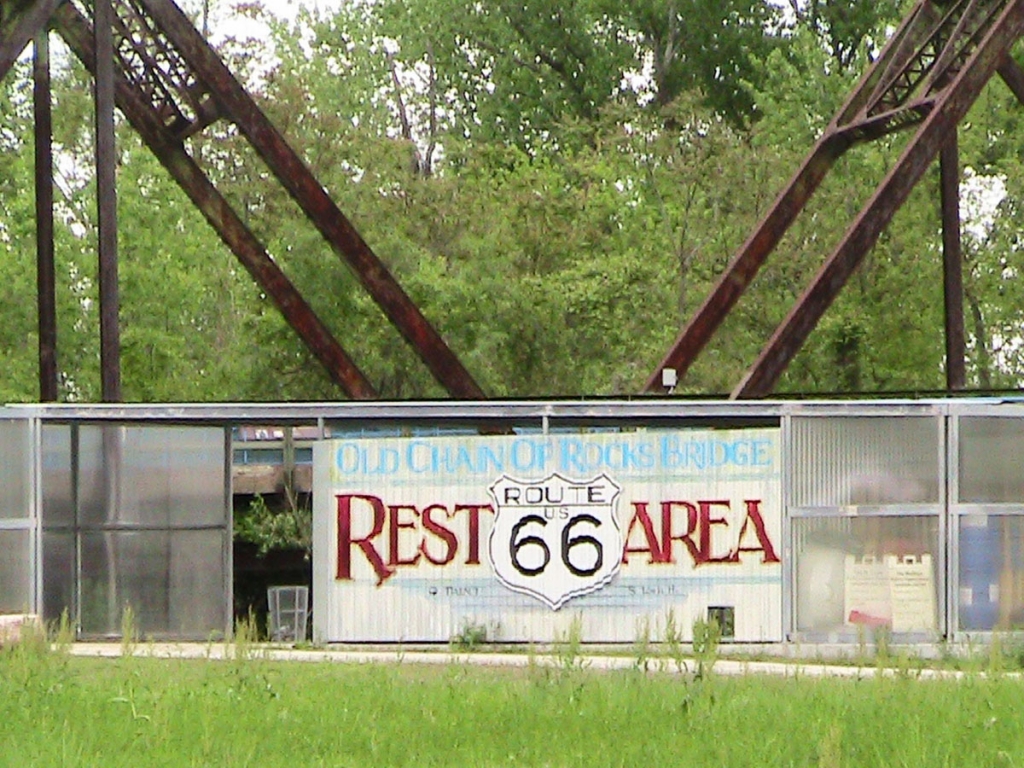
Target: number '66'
x,y
570,544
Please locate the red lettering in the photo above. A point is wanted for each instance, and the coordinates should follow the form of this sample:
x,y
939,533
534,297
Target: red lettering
x,y
346,540
764,543
474,529
706,522
432,534
438,530
394,557
668,536
653,548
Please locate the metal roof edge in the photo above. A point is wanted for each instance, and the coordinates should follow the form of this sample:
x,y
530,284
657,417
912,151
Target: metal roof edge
x,y
578,409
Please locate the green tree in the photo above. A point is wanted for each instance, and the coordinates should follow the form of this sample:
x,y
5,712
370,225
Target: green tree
x,y
851,30
556,223
705,46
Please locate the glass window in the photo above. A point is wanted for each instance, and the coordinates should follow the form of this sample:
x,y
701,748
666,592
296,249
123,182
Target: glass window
x,y
58,499
991,460
16,571
174,582
855,574
152,476
849,460
15,469
124,568
58,574
991,572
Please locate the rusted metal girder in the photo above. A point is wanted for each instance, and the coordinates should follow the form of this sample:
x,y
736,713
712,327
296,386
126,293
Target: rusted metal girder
x,y
749,259
151,124
950,106
106,203
46,290
916,81
952,259
17,32
1013,76
234,103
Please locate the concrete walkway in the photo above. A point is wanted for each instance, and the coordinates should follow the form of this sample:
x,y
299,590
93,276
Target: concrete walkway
x,y
722,666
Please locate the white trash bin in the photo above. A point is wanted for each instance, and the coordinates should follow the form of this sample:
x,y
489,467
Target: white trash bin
x,y
287,614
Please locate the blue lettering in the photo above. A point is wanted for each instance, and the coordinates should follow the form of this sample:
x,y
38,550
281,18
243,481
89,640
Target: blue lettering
x,y
462,460
644,458
490,461
387,462
347,458
671,457
718,453
703,454
609,451
414,451
761,455
569,450
695,452
529,454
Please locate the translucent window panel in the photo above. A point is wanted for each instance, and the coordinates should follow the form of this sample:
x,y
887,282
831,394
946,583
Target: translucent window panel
x,y
58,499
58,574
124,568
853,460
100,453
16,574
991,460
198,604
990,578
174,581
152,476
15,469
857,573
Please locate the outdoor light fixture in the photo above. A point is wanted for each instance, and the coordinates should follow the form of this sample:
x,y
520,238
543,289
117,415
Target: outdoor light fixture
x,y
669,379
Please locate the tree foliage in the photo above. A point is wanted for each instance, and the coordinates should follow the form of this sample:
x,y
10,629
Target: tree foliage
x,y
557,186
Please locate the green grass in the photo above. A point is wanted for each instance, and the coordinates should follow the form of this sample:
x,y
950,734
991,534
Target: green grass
x,y
58,710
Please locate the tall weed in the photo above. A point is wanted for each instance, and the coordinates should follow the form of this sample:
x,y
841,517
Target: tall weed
x,y
673,641
568,647
706,638
642,645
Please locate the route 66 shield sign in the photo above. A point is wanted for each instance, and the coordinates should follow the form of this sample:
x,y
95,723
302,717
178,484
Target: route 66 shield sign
x,y
556,538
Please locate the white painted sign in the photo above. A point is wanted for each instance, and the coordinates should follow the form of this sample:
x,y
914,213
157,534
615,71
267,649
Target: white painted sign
x,y
417,539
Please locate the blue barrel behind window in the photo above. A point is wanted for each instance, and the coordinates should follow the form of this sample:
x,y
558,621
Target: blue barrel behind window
x,y
980,563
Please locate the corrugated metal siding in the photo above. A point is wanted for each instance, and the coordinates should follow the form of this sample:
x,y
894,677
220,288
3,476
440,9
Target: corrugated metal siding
x,y
991,461
862,460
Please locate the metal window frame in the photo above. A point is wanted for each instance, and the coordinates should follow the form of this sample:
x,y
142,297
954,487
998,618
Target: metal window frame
x,y
958,510
938,509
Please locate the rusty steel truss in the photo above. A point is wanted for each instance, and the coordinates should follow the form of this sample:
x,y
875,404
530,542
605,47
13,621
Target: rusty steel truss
x,y
150,62
925,80
148,59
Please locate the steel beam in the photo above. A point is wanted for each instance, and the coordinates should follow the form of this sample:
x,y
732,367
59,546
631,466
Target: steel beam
x,y
952,259
748,260
899,91
898,77
25,28
236,104
317,337
924,146
1013,76
849,126
74,28
106,203
46,301
916,27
